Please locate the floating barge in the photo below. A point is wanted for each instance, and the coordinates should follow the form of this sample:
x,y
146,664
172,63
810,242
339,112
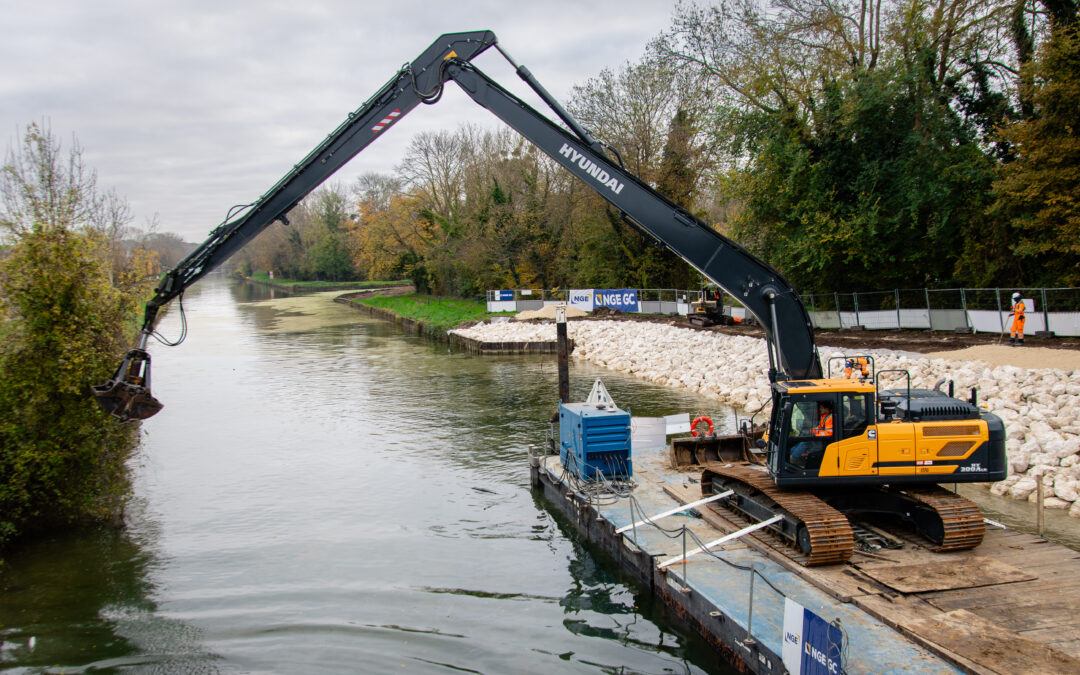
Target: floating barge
x,y
1007,606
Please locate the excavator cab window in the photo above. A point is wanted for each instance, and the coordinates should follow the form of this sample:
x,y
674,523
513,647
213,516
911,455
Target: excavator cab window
x,y
856,414
808,430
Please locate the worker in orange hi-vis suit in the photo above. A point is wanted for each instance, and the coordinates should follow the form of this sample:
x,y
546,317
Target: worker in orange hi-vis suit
x,y
1016,333
855,365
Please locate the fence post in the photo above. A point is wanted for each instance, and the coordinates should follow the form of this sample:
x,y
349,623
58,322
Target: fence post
x,y
839,317
929,316
684,582
1001,318
963,305
896,295
1040,523
1046,313
855,299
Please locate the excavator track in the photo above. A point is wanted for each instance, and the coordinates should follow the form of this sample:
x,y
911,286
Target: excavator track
x,y
820,533
961,522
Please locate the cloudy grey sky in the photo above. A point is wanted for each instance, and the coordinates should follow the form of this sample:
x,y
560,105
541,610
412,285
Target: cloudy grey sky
x,y
187,107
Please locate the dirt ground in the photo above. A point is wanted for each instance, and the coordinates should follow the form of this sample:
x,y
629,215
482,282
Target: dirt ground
x,y
1058,352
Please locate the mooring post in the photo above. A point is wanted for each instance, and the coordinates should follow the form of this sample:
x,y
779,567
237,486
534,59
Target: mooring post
x,y
563,353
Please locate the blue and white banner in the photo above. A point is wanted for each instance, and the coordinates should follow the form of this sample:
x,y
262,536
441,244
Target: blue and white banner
x,y
502,295
624,299
582,298
811,644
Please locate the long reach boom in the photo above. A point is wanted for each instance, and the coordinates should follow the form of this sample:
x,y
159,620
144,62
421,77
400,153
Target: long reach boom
x,y
759,287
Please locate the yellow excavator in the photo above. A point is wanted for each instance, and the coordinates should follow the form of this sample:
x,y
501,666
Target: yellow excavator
x,y
885,451
838,448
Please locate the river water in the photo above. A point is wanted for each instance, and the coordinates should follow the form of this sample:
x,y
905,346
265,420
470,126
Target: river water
x,y
324,493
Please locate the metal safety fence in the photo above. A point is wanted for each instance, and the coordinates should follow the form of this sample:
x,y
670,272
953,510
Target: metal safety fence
x,y
973,310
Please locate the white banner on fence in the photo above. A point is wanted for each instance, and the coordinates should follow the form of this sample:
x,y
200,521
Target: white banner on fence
x,y
1065,323
582,298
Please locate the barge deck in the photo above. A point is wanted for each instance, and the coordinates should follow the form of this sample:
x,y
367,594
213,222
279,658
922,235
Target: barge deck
x,y
1007,606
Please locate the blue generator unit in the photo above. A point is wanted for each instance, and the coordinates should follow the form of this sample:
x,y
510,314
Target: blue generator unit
x,y
594,440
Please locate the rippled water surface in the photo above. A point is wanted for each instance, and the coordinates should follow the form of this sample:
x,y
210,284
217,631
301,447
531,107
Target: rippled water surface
x,y
323,493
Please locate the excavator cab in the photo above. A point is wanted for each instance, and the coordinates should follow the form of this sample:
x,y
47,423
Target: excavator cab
x,y
822,429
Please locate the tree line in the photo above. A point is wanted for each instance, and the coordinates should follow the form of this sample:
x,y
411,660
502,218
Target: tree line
x,y
854,145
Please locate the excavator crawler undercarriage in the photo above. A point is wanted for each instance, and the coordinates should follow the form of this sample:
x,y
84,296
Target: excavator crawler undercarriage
x,y
820,534
816,524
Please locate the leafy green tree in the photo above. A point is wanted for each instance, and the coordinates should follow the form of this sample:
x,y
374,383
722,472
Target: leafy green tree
x,y
876,194
860,136
330,258
1039,192
64,323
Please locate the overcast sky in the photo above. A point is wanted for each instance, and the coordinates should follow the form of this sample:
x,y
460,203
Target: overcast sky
x,y
188,107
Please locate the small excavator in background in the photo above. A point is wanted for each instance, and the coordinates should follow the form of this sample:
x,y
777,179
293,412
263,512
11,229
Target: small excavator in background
x,y
710,310
884,451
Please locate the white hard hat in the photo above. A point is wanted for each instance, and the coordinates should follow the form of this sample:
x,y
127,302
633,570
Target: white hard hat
x,y
1016,295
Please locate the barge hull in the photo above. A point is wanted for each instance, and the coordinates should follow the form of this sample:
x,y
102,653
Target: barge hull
x,y
695,613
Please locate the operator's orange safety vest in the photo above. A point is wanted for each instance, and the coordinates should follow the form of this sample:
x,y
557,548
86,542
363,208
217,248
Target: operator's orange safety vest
x,y
824,427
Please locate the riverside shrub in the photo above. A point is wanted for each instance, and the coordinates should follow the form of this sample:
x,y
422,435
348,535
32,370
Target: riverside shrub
x,y
63,327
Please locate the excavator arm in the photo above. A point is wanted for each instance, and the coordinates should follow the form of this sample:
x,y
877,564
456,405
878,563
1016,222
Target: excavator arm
x,y
757,285
764,292
417,82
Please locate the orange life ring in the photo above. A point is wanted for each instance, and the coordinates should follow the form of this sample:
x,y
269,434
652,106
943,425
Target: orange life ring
x,y
701,418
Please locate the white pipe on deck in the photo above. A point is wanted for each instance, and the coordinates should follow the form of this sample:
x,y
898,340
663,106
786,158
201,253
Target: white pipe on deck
x,y
721,540
672,512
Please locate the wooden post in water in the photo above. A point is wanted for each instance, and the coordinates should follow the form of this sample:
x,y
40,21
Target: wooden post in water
x,y
563,353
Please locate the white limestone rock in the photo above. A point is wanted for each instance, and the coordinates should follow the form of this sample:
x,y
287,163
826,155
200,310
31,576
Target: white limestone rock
x,y
1022,488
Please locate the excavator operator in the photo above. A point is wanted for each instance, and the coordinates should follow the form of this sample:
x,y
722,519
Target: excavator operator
x,y
801,451
824,425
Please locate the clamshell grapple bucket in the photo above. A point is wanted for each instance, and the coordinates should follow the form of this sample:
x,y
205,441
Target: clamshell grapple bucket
x,y
126,395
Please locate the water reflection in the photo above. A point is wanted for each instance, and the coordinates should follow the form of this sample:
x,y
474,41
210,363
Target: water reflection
x,y
84,600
